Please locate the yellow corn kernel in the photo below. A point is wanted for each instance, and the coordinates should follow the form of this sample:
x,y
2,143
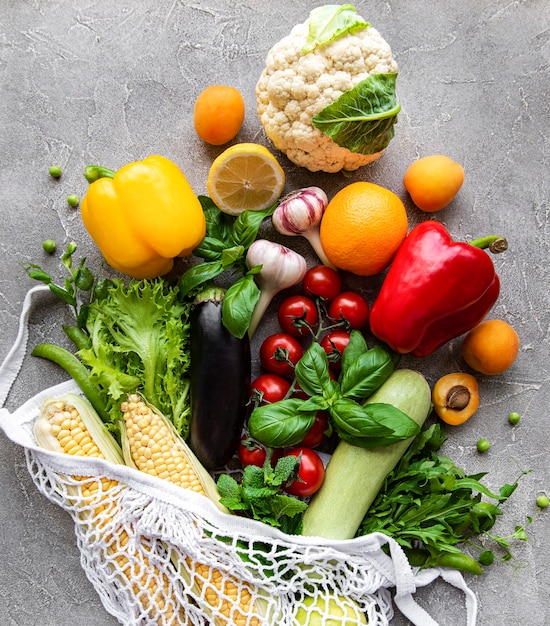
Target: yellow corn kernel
x,y
147,430
70,426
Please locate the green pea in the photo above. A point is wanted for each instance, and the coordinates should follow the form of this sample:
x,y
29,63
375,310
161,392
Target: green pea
x,y
514,418
543,501
73,200
483,445
55,171
49,246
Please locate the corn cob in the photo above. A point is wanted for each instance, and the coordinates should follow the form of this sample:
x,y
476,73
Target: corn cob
x,y
69,425
151,444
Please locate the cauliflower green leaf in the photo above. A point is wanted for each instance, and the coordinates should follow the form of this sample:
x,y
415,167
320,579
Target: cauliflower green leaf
x,y
330,22
362,119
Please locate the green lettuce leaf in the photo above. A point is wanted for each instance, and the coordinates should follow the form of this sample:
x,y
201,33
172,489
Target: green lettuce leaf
x,y
362,119
139,340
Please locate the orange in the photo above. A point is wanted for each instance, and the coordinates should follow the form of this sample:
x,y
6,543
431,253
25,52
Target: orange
x,y
433,182
362,227
218,114
491,347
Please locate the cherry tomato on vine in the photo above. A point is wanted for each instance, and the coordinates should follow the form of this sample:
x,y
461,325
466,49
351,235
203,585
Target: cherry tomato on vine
x,y
316,433
298,315
334,343
322,281
252,452
310,475
269,388
350,306
279,353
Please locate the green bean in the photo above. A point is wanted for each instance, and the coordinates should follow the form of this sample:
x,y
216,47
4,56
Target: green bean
x,y
80,339
77,371
462,562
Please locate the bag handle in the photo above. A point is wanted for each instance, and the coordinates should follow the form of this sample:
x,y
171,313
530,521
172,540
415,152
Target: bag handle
x,y
11,366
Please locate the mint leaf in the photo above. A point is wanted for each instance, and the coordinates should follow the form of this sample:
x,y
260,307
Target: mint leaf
x,y
363,118
259,495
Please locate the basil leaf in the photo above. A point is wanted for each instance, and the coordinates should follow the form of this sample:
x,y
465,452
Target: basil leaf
x,y
400,427
330,22
352,418
231,255
247,224
367,373
315,403
238,304
280,424
355,348
197,275
210,248
218,224
363,118
312,370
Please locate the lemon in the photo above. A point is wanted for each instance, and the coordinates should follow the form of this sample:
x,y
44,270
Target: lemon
x,y
246,176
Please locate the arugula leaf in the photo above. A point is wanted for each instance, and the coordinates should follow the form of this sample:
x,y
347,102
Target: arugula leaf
x,y
330,22
428,500
363,118
259,494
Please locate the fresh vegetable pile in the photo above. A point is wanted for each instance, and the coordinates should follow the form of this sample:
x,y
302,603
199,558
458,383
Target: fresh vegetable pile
x,y
321,433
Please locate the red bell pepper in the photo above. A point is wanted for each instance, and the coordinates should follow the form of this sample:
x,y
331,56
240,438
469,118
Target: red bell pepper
x,y
435,290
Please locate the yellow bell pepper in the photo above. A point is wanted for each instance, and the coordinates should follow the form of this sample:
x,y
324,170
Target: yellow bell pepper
x,y
142,216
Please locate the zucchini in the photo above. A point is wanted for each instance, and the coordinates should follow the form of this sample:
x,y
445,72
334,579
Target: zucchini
x,y
219,373
355,475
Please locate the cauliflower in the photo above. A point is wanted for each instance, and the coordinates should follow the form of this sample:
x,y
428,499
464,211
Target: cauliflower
x,y
297,85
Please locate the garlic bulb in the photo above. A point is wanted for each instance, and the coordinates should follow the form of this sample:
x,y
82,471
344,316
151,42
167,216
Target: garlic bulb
x,y
299,214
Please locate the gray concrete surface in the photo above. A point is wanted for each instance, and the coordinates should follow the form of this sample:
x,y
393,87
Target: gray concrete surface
x,y
111,82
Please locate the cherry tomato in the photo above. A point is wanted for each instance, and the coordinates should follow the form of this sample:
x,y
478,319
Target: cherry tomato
x,y
297,315
322,281
350,306
252,452
269,388
310,475
279,353
334,343
316,433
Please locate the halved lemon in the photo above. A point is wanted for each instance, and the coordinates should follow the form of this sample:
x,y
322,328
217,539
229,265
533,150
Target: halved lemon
x,y
246,176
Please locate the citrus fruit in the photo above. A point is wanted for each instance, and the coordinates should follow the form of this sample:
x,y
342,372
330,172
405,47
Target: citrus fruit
x,y
362,227
218,114
246,176
433,181
491,347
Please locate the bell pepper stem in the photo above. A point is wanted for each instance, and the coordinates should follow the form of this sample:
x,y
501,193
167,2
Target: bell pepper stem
x,y
95,172
495,243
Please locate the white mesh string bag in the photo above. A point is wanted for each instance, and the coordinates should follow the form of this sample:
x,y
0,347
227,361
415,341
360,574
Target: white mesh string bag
x,y
159,554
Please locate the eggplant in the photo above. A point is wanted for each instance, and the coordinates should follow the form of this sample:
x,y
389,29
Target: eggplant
x,y
220,372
